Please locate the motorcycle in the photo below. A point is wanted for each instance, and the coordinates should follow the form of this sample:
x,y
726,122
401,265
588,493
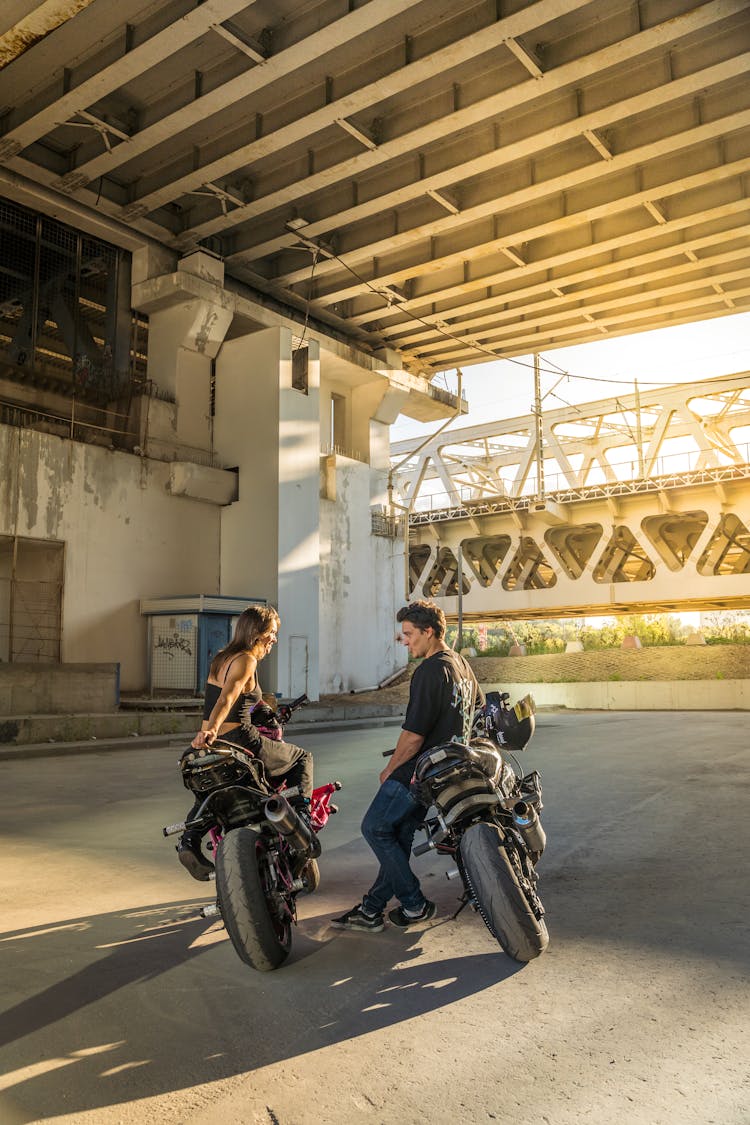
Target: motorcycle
x,y
265,852
487,821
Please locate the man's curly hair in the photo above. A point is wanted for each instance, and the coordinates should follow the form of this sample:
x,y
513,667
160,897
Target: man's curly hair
x,y
424,614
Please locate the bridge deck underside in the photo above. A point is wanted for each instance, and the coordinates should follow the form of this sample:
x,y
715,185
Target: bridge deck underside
x,y
452,179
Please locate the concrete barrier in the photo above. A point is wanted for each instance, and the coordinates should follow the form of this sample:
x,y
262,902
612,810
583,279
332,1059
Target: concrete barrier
x,y
59,689
636,695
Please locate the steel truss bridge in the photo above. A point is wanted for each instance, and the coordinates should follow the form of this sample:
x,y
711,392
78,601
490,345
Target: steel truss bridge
x,y
640,502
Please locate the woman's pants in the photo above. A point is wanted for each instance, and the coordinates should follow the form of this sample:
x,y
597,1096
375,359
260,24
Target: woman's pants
x,y
282,761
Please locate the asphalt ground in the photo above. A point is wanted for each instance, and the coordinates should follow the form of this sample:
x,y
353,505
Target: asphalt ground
x,y
121,1005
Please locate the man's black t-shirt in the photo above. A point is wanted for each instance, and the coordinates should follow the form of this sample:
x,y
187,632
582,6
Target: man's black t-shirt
x,y
443,694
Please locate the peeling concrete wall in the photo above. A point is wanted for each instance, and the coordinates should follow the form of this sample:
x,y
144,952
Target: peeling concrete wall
x,y
360,587
125,538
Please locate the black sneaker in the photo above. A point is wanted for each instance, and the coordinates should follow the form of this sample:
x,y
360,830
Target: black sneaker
x,y
400,918
356,919
192,858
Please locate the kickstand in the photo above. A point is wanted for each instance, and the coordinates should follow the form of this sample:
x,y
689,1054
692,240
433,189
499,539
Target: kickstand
x,y
464,900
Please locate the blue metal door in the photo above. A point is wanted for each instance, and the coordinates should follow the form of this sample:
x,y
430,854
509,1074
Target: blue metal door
x,y
214,631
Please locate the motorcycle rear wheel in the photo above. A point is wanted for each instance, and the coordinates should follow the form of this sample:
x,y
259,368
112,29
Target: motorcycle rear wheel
x,y
259,926
498,894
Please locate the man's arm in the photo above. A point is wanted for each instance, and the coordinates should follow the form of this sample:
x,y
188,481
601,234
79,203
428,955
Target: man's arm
x,y
407,746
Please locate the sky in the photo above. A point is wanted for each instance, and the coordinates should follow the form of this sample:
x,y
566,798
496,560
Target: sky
x,y
685,353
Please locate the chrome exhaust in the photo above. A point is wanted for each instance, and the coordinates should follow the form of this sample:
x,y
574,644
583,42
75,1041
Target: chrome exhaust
x,y
285,820
526,820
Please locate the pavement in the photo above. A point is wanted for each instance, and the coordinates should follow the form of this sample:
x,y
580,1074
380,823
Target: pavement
x,y
10,751
123,1006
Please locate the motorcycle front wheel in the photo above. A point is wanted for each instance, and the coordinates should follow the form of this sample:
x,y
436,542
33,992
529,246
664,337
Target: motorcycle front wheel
x,y
257,917
494,883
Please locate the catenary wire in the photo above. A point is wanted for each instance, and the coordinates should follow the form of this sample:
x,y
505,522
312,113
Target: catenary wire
x,y
550,368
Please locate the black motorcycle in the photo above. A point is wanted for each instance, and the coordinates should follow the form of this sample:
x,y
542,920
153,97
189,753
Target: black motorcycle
x,y
265,851
487,820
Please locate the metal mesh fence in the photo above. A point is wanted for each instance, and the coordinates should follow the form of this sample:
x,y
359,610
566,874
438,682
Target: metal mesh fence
x,y
65,318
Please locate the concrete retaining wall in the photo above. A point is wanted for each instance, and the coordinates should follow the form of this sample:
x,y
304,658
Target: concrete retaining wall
x,y
57,689
23,730
636,695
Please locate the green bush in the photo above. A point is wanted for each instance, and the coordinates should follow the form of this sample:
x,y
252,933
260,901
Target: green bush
x,y
540,637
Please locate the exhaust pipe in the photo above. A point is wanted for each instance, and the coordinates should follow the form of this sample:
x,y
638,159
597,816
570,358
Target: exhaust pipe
x,y
526,820
286,821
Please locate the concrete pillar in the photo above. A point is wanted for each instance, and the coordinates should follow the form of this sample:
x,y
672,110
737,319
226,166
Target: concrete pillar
x,y
185,335
270,536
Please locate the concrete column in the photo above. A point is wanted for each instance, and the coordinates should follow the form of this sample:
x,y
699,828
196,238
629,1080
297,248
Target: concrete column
x,y
270,536
186,331
361,572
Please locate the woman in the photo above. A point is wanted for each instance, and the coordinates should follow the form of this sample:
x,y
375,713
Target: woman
x,y
232,691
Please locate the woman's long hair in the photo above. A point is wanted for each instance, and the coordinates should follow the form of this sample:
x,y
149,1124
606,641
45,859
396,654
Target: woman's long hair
x,y
253,624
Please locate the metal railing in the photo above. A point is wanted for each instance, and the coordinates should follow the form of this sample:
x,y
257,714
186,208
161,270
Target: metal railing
x,y
489,505
30,417
328,449
439,507
389,527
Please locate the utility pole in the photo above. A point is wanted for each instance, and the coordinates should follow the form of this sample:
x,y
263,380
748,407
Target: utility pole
x,y
539,430
639,433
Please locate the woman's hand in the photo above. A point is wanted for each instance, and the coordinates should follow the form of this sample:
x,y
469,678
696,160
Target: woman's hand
x,y
204,738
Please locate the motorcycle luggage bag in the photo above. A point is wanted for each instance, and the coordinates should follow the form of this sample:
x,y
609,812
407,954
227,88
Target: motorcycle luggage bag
x,y
201,774
448,773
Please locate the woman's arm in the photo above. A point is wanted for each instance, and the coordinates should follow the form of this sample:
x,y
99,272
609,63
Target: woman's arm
x,y
241,671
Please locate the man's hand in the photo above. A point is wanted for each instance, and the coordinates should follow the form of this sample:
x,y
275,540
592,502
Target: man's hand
x,y
407,747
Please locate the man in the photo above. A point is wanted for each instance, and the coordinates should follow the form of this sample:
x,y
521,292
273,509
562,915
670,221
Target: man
x,y
442,698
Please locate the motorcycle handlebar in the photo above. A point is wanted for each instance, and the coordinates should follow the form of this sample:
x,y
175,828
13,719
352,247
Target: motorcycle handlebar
x,y
286,710
387,753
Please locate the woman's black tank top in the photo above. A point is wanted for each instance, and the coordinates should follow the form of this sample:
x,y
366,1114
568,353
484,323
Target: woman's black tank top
x,y
213,691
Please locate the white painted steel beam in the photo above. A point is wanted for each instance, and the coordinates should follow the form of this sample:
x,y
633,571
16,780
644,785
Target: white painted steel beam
x,y
414,239
564,76
490,195
464,119
130,66
706,412
336,35
405,78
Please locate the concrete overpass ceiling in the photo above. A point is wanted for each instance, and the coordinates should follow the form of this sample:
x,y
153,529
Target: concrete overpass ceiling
x,y
453,179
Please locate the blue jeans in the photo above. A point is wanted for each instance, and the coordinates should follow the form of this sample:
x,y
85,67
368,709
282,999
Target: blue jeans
x,y
388,827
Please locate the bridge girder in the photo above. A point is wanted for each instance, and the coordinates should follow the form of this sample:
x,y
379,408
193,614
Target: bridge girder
x,y
672,431
639,540
438,177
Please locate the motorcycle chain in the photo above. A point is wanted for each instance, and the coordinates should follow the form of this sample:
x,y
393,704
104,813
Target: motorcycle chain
x,y
478,906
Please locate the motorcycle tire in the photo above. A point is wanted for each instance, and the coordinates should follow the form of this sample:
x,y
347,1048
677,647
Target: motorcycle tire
x,y
250,906
502,903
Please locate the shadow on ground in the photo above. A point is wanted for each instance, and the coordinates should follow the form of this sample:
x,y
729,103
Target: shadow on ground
x,y
145,990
